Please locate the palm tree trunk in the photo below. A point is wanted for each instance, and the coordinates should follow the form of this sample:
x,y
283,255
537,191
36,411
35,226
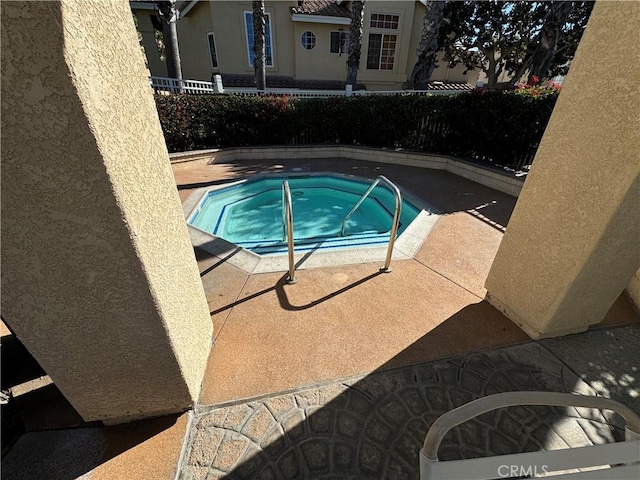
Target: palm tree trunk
x,y
355,42
170,34
259,27
169,15
428,46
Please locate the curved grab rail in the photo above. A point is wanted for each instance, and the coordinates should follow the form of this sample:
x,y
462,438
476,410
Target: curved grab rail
x,y
477,407
287,228
396,215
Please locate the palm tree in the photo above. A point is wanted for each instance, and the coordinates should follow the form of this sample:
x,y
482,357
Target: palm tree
x,y
259,23
428,46
355,42
169,14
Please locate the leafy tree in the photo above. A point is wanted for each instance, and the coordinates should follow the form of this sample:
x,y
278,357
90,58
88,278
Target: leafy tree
x,y
556,42
569,38
355,42
170,14
259,26
428,47
515,38
491,36
548,38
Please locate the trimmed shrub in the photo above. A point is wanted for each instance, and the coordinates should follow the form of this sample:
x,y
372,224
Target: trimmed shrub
x,y
502,128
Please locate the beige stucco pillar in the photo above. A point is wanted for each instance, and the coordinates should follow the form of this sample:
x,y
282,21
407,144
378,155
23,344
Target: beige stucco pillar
x,y
573,242
633,289
99,279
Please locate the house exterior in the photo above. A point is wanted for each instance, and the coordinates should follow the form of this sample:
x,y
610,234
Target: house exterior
x,y
307,43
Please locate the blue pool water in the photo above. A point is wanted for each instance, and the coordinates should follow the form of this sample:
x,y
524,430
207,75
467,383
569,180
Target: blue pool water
x,y
250,214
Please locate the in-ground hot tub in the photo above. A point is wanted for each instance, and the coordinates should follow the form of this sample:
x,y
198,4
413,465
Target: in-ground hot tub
x,y
248,214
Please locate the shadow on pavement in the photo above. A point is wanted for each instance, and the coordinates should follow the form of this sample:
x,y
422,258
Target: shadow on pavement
x,y
374,427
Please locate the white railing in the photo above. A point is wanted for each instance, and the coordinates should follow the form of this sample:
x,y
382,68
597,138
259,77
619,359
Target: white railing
x,y
172,85
252,92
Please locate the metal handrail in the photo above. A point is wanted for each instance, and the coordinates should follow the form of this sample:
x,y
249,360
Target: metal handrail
x,y
287,229
396,215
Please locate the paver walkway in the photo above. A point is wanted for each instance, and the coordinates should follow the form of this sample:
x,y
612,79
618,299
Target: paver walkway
x,y
374,426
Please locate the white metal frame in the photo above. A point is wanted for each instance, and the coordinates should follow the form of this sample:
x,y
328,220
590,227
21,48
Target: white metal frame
x,y
620,460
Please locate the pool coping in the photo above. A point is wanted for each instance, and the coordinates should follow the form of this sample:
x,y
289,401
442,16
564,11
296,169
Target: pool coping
x,y
505,181
405,247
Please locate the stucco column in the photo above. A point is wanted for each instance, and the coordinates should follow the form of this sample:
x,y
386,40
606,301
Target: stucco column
x,y
99,279
573,242
633,289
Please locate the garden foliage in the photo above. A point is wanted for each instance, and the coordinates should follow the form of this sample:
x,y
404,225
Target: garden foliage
x,y
502,128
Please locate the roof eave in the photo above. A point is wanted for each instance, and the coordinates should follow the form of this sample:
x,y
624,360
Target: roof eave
x,y
303,17
142,6
188,8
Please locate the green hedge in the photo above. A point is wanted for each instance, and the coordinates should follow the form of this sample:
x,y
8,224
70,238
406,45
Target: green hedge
x,y
503,128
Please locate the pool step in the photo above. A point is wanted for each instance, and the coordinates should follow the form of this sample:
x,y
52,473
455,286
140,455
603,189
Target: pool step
x,y
274,247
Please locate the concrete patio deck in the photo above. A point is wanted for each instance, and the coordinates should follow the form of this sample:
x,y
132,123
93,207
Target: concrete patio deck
x,y
344,321
340,375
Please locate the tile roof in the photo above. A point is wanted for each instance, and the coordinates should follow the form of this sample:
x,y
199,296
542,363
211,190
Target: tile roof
x,y
324,8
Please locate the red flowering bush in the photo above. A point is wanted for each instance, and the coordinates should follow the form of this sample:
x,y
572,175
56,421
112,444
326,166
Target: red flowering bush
x,y
533,88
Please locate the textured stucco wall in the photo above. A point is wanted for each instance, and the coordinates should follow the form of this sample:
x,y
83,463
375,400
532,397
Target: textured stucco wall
x,y
283,36
571,246
319,62
229,30
633,289
99,279
194,44
388,79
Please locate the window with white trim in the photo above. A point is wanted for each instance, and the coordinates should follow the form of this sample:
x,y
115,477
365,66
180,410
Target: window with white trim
x,y
212,50
308,40
381,51
268,49
339,42
384,20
